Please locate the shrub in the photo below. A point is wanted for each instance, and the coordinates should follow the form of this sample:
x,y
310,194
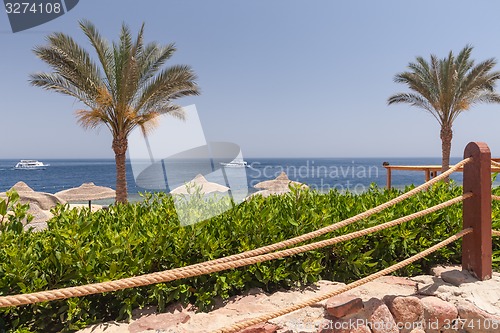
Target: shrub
x,y
80,247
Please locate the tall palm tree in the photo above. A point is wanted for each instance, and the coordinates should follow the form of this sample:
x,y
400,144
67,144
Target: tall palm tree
x,y
447,87
126,88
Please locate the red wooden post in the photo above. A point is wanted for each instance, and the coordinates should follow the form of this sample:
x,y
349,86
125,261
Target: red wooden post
x,y
476,246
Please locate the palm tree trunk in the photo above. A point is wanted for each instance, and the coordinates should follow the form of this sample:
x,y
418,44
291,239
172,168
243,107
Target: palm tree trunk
x,y
120,146
446,137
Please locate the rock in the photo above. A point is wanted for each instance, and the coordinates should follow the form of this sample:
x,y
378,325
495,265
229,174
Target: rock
x,y
324,327
343,326
361,329
407,311
158,322
380,319
379,289
260,328
438,270
457,277
473,319
342,305
305,320
397,280
475,303
423,279
417,330
325,286
438,313
437,287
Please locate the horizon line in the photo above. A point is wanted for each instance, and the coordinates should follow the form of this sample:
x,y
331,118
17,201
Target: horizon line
x,y
247,157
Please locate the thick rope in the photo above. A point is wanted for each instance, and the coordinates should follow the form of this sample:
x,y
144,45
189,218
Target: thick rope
x,y
175,274
333,227
495,233
239,326
495,164
170,275
495,197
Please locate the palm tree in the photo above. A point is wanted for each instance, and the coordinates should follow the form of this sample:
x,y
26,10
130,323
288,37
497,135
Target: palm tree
x,y
447,87
125,89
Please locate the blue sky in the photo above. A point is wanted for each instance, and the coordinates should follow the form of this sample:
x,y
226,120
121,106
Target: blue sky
x,y
280,78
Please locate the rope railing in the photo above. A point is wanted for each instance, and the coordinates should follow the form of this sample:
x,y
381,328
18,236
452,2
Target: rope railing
x,y
494,163
242,325
473,222
337,225
191,271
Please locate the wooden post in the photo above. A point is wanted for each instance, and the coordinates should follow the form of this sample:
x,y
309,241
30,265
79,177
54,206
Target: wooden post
x,y
389,178
427,175
476,246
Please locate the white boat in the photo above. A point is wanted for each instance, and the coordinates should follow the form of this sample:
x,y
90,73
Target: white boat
x,y
235,164
30,165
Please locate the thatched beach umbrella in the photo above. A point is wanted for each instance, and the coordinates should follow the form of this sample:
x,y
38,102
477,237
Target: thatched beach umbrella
x,y
39,215
27,195
264,194
200,182
40,218
280,184
87,191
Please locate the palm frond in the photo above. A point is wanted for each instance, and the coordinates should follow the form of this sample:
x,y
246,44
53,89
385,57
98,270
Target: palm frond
x,y
446,87
103,50
152,59
57,83
71,63
171,83
480,77
148,122
463,61
90,119
126,88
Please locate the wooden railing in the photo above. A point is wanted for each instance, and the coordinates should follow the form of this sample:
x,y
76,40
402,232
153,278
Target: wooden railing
x,y
430,171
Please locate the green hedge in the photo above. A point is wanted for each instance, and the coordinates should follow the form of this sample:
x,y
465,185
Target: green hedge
x,y
128,240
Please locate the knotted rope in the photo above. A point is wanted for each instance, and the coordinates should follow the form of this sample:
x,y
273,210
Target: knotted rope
x,y
196,270
239,326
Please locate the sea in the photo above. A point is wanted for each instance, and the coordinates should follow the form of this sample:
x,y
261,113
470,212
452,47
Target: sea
x,y
322,174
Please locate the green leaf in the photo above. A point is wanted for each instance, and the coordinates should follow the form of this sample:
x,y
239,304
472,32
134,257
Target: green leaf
x,y
3,207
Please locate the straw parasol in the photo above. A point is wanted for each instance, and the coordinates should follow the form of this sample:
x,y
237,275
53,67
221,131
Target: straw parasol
x,y
200,182
39,215
279,185
263,193
40,203
40,218
44,201
87,191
